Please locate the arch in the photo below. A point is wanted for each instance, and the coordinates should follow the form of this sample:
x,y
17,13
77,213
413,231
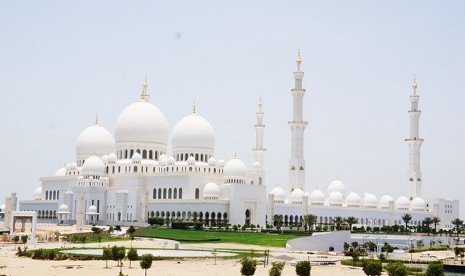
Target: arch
x,y
218,217
54,195
291,220
152,214
175,193
156,155
154,194
197,193
157,213
150,154
144,154
159,193
180,193
46,195
225,217
162,214
196,157
170,193
248,217
178,214
119,216
135,169
260,180
164,193
132,153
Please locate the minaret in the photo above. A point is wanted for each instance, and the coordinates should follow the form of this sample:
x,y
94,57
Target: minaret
x,y
297,125
259,151
414,144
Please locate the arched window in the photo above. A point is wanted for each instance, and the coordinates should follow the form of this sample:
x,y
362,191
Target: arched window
x,y
132,153
164,193
154,194
150,154
175,193
170,192
185,156
144,154
54,195
135,169
180,193
159,193
152,214
58,194
196,157
46,195
157,214
197,193
156,155
126,154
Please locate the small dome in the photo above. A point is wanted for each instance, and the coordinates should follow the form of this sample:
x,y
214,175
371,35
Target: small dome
x,y
64,208
370,201
335,199
418,204
212,161
193,132
141,122
336,186
297,196
211,191
191,160
220,163
402,203
235,168
95,140
92,209
2,207
38,193
93,165
171,160
384,201
61,172
136,157
105,159
257,165
353,200
317,197
279,194
112,158
72,166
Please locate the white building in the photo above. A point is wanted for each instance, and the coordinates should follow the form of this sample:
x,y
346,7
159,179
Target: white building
x,y
134,176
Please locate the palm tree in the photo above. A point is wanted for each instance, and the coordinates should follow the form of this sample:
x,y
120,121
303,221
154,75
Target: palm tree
x,y
427,222
338,221
146,262
406,218
278,221
458,223
436,221
310,220
351,221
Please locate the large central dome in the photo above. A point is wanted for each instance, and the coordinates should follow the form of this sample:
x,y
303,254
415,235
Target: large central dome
x,y
193,131
141,122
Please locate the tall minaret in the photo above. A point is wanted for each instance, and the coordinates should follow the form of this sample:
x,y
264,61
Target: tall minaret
x,y
259,151
414,144
297,125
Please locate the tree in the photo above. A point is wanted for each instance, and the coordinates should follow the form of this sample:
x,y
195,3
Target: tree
x,y
117,228
278,221
435,269
371,246
436,221
303,268
338,221
110,229
351,221
396,269
372,267
146,262
131,230
24,241
356,255
309,221
96,230
276,268
388,249
132,255
16,239
248,266
83,240
107,255
458,223
406,218
118,253
427,223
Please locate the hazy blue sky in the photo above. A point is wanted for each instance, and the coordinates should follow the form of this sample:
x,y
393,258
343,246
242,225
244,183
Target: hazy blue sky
x,y
63,61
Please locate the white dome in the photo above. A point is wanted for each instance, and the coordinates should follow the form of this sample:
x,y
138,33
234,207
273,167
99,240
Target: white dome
x,y
193,131
105,159
212,161
317,197
235,168
112,158
418,204
220,163
92,209
336,199
61,172
385,200
402,203
95,140
353,199
64,208
136,157
279,194
370,200
92,165
191,160
2,207
336,186
141,122
171,160
211,190
297,196
257,165
38,193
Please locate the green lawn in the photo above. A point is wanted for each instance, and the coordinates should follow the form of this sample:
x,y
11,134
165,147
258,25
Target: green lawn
x,y
190,236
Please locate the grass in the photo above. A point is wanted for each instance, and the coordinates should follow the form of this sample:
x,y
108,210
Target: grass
x,y
192,236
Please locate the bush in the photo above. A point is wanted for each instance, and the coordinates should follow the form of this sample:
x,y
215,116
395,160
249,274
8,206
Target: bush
x,y
155,221
396,269
277,268
303,268
372,267
435,269
248,267
382,257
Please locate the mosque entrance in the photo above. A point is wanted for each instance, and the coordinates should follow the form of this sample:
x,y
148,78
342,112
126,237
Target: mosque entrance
x,y
247,217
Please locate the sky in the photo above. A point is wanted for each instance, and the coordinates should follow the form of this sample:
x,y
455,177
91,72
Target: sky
x,y
61,62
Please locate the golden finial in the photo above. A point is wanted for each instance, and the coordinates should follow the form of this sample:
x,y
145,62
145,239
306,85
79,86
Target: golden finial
x,y
414,85
299,58
194,109
145,86
96,118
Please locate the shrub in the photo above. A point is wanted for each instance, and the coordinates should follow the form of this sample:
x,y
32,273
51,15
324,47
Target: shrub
x,y
303,268
396,269
248,267
277,268
155,221
435,269
372,267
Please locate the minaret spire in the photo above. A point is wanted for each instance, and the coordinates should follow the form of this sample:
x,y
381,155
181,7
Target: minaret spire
x,y
144,96
414,143
297,126
96,119
259,150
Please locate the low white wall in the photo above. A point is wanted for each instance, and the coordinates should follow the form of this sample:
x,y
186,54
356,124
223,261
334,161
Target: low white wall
x,y
320,241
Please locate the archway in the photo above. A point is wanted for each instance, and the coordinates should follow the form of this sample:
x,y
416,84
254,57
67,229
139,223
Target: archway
x,y
247,217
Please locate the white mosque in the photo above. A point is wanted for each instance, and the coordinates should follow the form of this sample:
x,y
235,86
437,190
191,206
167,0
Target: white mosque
x,y
134,176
